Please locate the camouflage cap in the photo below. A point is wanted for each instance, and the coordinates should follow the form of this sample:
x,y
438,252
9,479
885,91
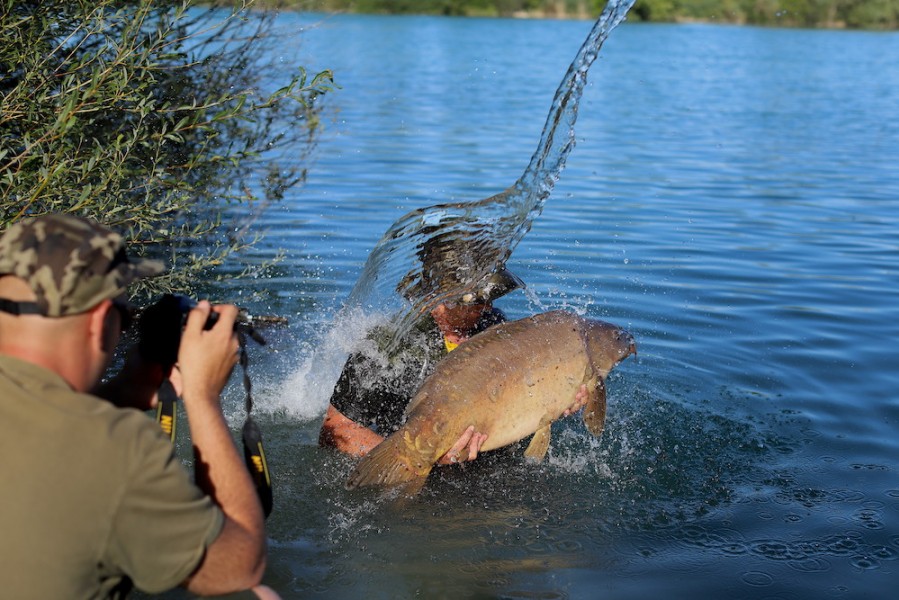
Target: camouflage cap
x,y
71,263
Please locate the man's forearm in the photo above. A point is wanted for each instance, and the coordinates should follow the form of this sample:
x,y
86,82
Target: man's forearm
x,y
236,560
344,434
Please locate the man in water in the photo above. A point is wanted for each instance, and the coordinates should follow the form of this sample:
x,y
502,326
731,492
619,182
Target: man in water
x,y
373,389
94,499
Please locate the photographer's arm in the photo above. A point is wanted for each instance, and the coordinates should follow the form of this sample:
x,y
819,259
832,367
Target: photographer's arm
x,y
236,559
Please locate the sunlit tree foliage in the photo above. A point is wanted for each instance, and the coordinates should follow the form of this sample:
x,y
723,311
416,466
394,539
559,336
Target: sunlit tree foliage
x,y
155,117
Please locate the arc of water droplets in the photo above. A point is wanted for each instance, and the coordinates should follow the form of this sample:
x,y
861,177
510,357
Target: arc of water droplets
x,y
484,232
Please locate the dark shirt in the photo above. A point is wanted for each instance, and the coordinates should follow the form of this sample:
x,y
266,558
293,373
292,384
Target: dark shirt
x,y
374,389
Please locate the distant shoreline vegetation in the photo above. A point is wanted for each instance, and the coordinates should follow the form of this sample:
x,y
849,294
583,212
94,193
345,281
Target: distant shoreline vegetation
x,y
831,14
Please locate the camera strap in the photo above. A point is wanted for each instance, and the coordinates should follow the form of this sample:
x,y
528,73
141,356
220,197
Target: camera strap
x,y
166,413
253,450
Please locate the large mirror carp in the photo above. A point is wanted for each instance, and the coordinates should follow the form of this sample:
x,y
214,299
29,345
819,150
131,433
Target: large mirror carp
x,y
510,381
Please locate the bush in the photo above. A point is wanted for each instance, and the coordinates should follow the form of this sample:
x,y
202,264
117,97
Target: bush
x,y
147,116
653,10
879,14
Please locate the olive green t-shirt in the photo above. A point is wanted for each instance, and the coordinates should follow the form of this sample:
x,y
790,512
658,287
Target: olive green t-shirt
x,y
93,496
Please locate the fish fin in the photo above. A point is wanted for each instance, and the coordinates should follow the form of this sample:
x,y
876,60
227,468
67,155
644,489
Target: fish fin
x,y
391,463
410,489
536,450
595,411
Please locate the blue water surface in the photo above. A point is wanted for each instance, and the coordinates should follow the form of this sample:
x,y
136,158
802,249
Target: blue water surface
x,y
733,200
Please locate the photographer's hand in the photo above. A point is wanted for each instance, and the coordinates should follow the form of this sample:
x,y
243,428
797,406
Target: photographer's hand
x,y
205,360
207,357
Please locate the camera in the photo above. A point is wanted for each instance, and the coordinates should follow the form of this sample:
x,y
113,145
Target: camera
x,y
160,326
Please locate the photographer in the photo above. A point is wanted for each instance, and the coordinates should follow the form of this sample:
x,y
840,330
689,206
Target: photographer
x,y
94,499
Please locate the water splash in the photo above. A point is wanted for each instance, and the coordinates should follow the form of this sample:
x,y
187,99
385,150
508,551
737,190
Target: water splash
x,y
482,234
304,393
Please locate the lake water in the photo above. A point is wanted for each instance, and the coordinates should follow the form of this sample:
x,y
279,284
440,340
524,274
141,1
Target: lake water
x,y
733,200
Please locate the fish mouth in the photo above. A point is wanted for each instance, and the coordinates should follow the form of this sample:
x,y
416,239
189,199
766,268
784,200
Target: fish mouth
x,y
627,342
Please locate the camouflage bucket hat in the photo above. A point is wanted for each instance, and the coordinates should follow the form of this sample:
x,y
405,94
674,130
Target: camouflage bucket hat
x,y
72,264
494,285
448,262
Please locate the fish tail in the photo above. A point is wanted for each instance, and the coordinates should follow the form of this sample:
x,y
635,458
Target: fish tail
x,y
390,463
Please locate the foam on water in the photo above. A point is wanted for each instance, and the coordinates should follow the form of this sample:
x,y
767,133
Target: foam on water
x,y
306,391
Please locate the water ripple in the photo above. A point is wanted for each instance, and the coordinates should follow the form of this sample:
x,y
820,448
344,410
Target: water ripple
x,y
812,564
757,578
